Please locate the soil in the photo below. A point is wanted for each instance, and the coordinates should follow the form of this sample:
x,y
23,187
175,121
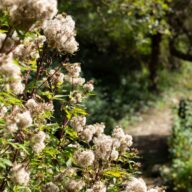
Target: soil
x,y
150,137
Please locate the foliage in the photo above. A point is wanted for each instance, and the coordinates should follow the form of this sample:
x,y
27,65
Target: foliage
x,y
179,174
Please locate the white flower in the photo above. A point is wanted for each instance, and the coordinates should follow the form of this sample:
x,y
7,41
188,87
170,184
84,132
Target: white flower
x,y
89,86
3,111
38,142
17,87
104,146
71,45
114,155
99,187
12,74
91,128
121,139
75,185
74,80
78,123
28,48
39,137
76,97
99,128
126,142
25,13
60,34
31,104
87,134
50,187
60,78
56,77
38,147
20,175
116,143
24,119
136,185
118,133
129,140
74,69
12,127
8,67
84,158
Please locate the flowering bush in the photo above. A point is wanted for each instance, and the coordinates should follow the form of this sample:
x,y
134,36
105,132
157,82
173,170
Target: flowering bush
x,y
46,144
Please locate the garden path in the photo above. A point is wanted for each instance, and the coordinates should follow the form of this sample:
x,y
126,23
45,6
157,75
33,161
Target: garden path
x,y
150,137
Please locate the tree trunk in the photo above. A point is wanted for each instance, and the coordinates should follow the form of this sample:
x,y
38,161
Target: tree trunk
x,y
154,61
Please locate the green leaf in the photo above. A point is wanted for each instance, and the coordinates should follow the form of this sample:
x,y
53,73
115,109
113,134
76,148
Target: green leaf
x,y
19,146
3,31
5,162
115,173
79,111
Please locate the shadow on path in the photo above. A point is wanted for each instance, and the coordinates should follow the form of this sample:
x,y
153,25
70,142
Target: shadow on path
x,y
153,150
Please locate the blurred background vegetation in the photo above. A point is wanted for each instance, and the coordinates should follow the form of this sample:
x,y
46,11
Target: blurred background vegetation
x,y
131,48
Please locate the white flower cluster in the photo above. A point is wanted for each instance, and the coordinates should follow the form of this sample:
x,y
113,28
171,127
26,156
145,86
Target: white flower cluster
x,y
31,104
50,187
78,123
60,33
38,142
24,119
74,69
109,147
139,185
28,48
98,187
76,97
86,132
35,107
11,73
18,120
136,185
106,147
125,140
24,13
73,76
89,86
56,77
74,185
3,110
19,174
39,109
84,158
91,130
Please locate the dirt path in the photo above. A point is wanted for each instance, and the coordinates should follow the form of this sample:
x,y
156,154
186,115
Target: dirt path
x,y
150,138
153,122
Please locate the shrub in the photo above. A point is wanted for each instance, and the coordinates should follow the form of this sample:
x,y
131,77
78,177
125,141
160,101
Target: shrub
x,y
179,175
46,144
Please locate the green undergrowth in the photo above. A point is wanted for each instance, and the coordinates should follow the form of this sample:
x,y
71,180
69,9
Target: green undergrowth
x,y
131,99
